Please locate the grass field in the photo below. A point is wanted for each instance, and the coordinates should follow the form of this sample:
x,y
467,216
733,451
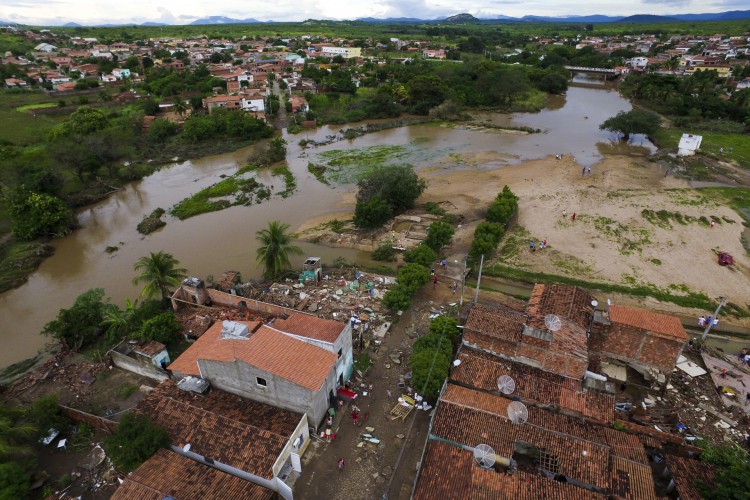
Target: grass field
x,y
712,143
21,127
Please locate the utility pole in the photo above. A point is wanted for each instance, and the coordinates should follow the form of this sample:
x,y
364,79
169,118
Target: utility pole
x,y
479,280
463,282
722,303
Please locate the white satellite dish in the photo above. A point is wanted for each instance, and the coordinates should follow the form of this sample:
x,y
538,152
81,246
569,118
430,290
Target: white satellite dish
x,y
456,362
552,322
594,303
484,455
186,447
506,384
517,412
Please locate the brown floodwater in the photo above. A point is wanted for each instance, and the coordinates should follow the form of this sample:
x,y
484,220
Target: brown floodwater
x,y
213,243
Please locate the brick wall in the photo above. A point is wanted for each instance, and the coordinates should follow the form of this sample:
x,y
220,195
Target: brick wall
x,y
81,417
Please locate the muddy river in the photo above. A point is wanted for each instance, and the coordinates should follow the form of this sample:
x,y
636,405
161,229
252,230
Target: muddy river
x,y
212,243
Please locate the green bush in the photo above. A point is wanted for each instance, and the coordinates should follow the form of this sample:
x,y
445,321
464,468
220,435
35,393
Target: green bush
x,y
135,439
421,254
45,413
384,253
412,277
438,235
445,326
161,128
433,342
163,328
398,298
429,369
372,213
503,208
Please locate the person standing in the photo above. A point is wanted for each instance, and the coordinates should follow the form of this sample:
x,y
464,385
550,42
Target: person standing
x,y
573,217
455,287
341,464
565,214
701,320
713,223
434,281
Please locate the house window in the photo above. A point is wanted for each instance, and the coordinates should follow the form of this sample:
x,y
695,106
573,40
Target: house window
x,y
341,351
261,381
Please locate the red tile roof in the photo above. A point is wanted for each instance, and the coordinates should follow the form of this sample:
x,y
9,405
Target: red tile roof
x,y
564,301
481,370
267,349
312,327
215,436
167,474
150,348
449,472
661,325
631,480
686,472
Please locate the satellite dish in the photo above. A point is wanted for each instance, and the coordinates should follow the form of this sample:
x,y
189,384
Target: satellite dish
x,y
186,447
594,303
552,322
484,455
456,362
506,384
609,302
517,412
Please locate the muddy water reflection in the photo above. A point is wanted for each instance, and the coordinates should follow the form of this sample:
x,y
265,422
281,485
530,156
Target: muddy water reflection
x,y
212,243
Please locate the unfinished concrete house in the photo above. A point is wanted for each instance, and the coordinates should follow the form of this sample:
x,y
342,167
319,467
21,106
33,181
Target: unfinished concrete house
x,y
144,358
253,441
291,363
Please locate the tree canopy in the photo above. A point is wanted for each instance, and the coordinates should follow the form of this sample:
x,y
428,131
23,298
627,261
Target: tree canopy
x,y
385,191
135,439
78,325
158,272
37,214
632,122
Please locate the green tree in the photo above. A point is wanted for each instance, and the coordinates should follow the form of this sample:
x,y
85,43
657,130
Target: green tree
x,y
412,277
421,254
163,328
632,122
445,326
179,105
399,185
134,441
276,149
78,326
433,342
119,322
37,214
15,479
503,208
429,369
554,83
275,249
425,92
372,213
82,121
397,298
158,272
733,472
161,128
439,234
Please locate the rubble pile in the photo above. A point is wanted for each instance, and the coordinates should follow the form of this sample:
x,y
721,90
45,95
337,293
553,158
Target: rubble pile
x,y
61,370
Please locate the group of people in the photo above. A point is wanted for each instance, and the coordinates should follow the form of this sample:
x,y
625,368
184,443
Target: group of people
x,y
435,279
533,246
704,321
572,217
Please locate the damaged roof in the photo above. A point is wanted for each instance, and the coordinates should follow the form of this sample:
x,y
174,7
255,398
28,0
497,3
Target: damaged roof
x,y
267,349
661,325
685,473
167,474
565,301
481,370
208,424
450,472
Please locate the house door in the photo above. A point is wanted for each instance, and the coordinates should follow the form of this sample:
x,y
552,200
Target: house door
x,y
296,462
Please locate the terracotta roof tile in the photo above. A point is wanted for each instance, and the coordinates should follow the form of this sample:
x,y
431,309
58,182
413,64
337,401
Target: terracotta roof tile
x,y
167,474
481,370
150,348
631,480
662,325
578,459
267,349
254,413
686,472
565,301
306,325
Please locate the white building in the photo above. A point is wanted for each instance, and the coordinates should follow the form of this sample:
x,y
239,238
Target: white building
x,y
689,144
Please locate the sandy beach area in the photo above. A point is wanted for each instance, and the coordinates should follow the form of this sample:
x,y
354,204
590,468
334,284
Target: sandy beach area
x,y
614,237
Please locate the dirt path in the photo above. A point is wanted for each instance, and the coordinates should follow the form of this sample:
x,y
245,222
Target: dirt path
x,y
389,467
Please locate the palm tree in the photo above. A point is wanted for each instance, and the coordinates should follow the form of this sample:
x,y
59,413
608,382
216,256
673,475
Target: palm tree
x,y
275,249
14,436
179,106
119,322
158,271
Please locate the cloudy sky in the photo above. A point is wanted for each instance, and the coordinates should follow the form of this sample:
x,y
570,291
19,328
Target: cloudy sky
x,y
87,12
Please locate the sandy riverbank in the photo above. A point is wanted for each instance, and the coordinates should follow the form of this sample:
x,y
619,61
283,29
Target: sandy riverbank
x,y
612,239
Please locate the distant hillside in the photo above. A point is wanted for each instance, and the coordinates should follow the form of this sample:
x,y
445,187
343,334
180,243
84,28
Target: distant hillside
x,y
224,20
390,20
461,19
718,16
150,23
647,18
573,19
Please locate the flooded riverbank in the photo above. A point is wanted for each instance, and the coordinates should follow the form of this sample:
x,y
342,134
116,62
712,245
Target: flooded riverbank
x,y
212,243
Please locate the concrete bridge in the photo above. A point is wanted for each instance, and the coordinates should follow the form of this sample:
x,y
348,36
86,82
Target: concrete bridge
x,y
583,69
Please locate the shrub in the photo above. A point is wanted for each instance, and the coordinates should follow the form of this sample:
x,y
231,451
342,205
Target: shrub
x,y
445,326
163,328
429,369
384,253
421,254
412,277
438,235
397,298
134,441
433,342
372,213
